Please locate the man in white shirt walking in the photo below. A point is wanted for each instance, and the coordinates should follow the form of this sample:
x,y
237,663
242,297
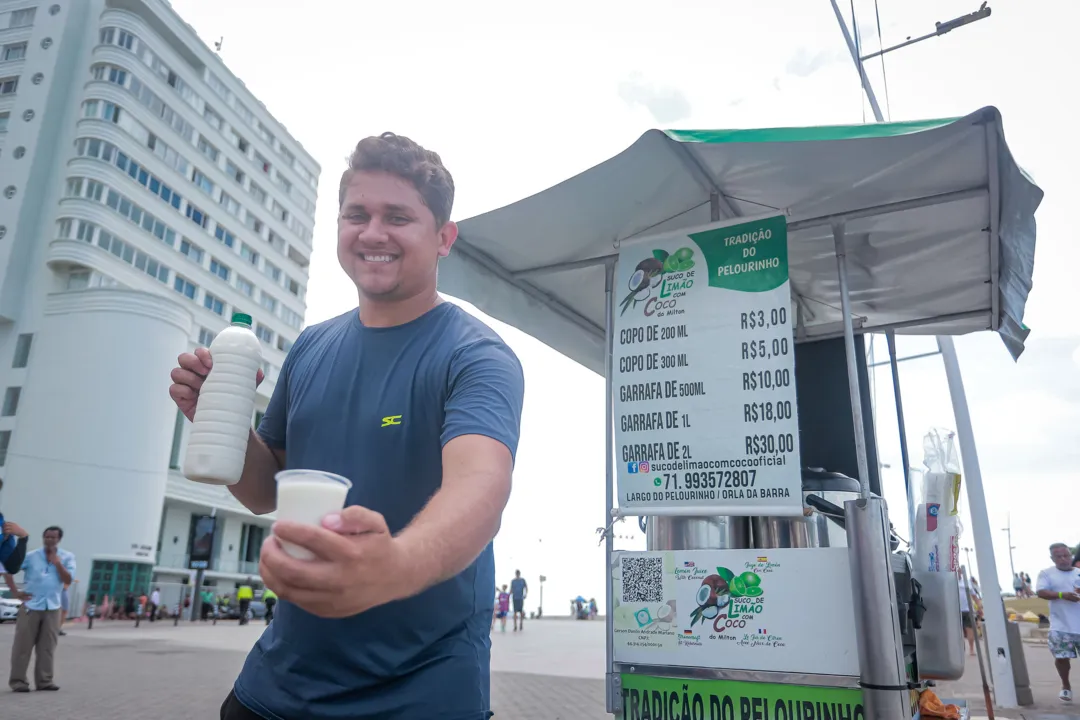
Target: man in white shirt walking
x,y
1060,585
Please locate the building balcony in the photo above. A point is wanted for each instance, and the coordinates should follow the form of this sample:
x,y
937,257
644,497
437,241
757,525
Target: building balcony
x,y
179,563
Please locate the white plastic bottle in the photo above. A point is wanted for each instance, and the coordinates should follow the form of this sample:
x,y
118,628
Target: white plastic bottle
x,y
219,435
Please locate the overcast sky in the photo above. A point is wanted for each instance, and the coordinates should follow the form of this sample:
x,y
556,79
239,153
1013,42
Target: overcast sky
x,y
518,97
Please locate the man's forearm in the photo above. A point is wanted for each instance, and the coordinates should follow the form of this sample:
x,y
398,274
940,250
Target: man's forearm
x,y
1047,594
256,489
63,574
10,580
448,535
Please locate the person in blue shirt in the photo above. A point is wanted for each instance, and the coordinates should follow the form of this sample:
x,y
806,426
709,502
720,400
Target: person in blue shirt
x,y
12,544
519,589
419,404
45,571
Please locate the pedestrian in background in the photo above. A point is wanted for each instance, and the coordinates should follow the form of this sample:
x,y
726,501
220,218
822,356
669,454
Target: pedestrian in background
x,y
1060,585
519,589
37,628
244,595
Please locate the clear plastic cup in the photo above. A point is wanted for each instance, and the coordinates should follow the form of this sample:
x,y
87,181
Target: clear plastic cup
x,y
307,496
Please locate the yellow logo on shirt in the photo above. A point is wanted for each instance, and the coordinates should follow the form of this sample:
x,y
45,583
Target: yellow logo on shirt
x,y
391,420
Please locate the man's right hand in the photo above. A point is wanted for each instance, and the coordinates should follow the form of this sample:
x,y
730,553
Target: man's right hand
x,y
188,380
1070,596
11,528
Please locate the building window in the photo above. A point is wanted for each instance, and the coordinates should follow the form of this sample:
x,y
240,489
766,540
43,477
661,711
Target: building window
x,y
205,337
15,51
225,237
194,252
207,149
106,151
5,441
276,242
230,204
202,182
294,287
284,344
8,85
220,269
185,287
268,302
272,271
245,286
196,216
214,304
177,439
258,193
251,542
212,117
263,163
22,350
290,318
78,280
241,144
11,401
249,254
264,333
22,18
253,223
234,172
4,118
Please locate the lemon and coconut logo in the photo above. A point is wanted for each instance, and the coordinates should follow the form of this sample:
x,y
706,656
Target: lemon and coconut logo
x,y
724,597
647,280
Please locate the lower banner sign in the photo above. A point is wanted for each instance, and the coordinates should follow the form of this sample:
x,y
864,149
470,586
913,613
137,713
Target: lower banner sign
x,y
783,610
653,698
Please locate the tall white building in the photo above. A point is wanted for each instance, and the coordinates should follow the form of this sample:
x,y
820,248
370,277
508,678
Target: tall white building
x,y
145,195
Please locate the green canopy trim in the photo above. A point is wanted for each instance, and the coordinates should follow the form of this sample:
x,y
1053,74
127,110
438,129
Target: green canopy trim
x,y
805,134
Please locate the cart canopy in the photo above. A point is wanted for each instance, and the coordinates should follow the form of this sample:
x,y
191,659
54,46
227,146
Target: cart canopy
x,y
938,217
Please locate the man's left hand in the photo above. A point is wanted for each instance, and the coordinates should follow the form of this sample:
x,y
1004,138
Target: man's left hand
x,y
358,564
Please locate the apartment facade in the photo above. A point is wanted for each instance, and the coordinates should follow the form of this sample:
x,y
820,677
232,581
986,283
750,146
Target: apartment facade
x,y
145,196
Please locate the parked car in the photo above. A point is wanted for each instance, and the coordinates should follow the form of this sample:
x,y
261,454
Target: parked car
x,y
257,610
9,606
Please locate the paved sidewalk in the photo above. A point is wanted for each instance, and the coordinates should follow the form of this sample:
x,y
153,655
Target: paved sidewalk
x,y
116,672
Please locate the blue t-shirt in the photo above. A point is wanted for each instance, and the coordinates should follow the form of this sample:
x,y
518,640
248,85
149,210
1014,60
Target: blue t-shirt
x,y
517,588
376,405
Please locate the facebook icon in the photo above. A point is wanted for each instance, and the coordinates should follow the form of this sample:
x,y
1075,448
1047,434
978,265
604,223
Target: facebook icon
x,y
632,468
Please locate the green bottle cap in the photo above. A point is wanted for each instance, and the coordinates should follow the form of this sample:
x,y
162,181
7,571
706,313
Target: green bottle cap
x,y
241,319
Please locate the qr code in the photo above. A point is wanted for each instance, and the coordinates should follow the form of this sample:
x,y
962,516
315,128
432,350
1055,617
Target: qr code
x,y
642,579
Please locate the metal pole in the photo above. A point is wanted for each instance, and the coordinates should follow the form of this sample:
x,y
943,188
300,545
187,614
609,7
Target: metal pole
x,y
196,600
852,364
1008,534
882,671
1000,661
966,588
613,694
890,339
855,58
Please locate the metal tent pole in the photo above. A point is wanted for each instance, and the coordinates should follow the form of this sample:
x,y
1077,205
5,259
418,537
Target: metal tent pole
x,y
882,671
1000,661
612,693
905,458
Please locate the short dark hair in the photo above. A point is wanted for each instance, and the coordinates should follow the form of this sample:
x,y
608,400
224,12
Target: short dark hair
x,y
398,155
57,528
1057,545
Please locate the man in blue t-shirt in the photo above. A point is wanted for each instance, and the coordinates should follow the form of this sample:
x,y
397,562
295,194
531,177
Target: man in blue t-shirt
x,y
518,590
418,403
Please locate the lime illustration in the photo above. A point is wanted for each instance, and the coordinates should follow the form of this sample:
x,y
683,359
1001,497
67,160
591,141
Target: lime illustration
x,y
755,591
738,587
750,579
679,261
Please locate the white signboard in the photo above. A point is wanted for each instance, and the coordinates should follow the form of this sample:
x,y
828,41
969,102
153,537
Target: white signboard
x,y
781,610
703,373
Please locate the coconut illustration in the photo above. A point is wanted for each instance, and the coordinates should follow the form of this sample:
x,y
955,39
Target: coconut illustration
x,y
641,279
713,595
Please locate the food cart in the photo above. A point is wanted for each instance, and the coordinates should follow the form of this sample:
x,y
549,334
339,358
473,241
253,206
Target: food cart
x,y
739,270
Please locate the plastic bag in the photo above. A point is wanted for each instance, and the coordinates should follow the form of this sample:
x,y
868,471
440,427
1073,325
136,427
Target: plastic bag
x,y
937,522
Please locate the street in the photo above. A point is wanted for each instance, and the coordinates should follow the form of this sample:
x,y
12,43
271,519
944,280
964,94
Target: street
x,y
552,671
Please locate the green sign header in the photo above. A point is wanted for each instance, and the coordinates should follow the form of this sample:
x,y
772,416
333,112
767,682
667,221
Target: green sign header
x,y
652,698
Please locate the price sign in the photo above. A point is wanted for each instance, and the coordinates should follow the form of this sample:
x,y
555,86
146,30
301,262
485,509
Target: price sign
x,y
704,373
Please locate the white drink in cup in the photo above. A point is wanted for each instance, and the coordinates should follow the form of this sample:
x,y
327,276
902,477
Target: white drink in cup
x,y
307,496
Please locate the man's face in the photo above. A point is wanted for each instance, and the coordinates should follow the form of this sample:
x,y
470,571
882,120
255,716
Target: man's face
x,y
51,539
388,241
1062,558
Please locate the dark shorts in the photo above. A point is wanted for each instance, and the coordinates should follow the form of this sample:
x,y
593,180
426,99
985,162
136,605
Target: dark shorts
x,y
968,619
233,709
501,614
519,605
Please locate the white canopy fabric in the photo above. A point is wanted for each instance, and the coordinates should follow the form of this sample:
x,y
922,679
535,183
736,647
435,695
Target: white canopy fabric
x,y
939,222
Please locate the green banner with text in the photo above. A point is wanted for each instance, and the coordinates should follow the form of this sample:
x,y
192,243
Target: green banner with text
x,y
653,698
